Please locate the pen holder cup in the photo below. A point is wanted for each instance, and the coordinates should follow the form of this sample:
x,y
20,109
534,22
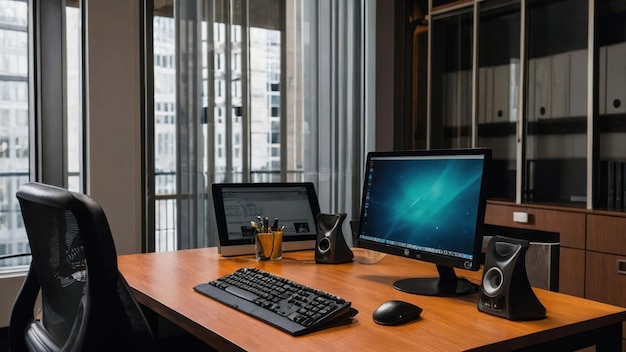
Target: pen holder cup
x,y
268,245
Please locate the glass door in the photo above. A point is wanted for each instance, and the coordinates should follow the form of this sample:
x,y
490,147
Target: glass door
x,y
497,98
610,126
556,104
451,80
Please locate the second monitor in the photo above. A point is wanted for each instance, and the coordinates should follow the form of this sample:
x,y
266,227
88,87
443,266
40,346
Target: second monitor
x,y
295,204
427,205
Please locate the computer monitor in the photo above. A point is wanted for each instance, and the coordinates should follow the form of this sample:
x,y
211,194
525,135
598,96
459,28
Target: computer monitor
x,y
427,205
295,204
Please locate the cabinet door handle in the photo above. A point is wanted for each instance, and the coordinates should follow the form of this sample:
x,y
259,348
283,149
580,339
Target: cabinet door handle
x,y
621,266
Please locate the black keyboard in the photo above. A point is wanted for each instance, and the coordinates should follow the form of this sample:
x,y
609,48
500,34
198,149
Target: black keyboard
x,y
282,303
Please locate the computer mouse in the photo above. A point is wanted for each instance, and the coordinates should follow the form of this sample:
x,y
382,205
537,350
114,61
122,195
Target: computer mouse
x,y
396,312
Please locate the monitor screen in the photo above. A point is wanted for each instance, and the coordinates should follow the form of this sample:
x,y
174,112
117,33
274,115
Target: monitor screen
x,y
427,205
295,205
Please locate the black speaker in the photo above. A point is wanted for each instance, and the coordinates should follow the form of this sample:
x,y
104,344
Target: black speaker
x,y
331,246
505,290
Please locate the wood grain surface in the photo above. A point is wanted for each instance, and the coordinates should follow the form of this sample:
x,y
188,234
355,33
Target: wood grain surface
x,y
164,282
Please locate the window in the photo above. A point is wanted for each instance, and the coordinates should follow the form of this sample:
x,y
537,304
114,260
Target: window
x,y
74,79
21,118
5,115
21,77
13,85
4,147
248,104
21,147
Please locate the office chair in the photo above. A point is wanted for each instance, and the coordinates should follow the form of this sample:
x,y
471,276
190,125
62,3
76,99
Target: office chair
x,y
86,304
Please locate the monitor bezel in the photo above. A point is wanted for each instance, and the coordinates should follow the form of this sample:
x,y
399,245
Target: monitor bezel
x,y
233,247
437,259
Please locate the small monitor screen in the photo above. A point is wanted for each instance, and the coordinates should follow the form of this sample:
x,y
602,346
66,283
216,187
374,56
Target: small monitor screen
x,y
426,205
294,205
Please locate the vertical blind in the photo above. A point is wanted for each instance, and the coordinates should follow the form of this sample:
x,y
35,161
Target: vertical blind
x,y
253,91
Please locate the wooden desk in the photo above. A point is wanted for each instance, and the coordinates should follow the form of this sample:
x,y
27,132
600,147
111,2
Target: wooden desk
x,y
164,283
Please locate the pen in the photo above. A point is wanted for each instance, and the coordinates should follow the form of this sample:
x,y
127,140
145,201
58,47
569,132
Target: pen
x,y
275,226
259,224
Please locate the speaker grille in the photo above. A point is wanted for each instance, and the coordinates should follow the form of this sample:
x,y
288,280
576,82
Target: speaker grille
x,y
493,281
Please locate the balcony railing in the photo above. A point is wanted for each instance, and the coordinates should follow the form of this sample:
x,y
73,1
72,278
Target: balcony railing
x,y
167,202
12,233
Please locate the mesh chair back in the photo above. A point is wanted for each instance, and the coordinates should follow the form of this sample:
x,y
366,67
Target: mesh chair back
x,y
86,303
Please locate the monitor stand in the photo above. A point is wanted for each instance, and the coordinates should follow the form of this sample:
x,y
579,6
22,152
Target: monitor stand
x,y
447,284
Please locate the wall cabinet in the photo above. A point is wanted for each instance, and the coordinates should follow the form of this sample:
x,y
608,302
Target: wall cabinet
x,y
547,96
605,279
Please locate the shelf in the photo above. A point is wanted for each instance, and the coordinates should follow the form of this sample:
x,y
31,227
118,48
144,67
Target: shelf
x,y
558,126
457,131
615,123
555,126
497,129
